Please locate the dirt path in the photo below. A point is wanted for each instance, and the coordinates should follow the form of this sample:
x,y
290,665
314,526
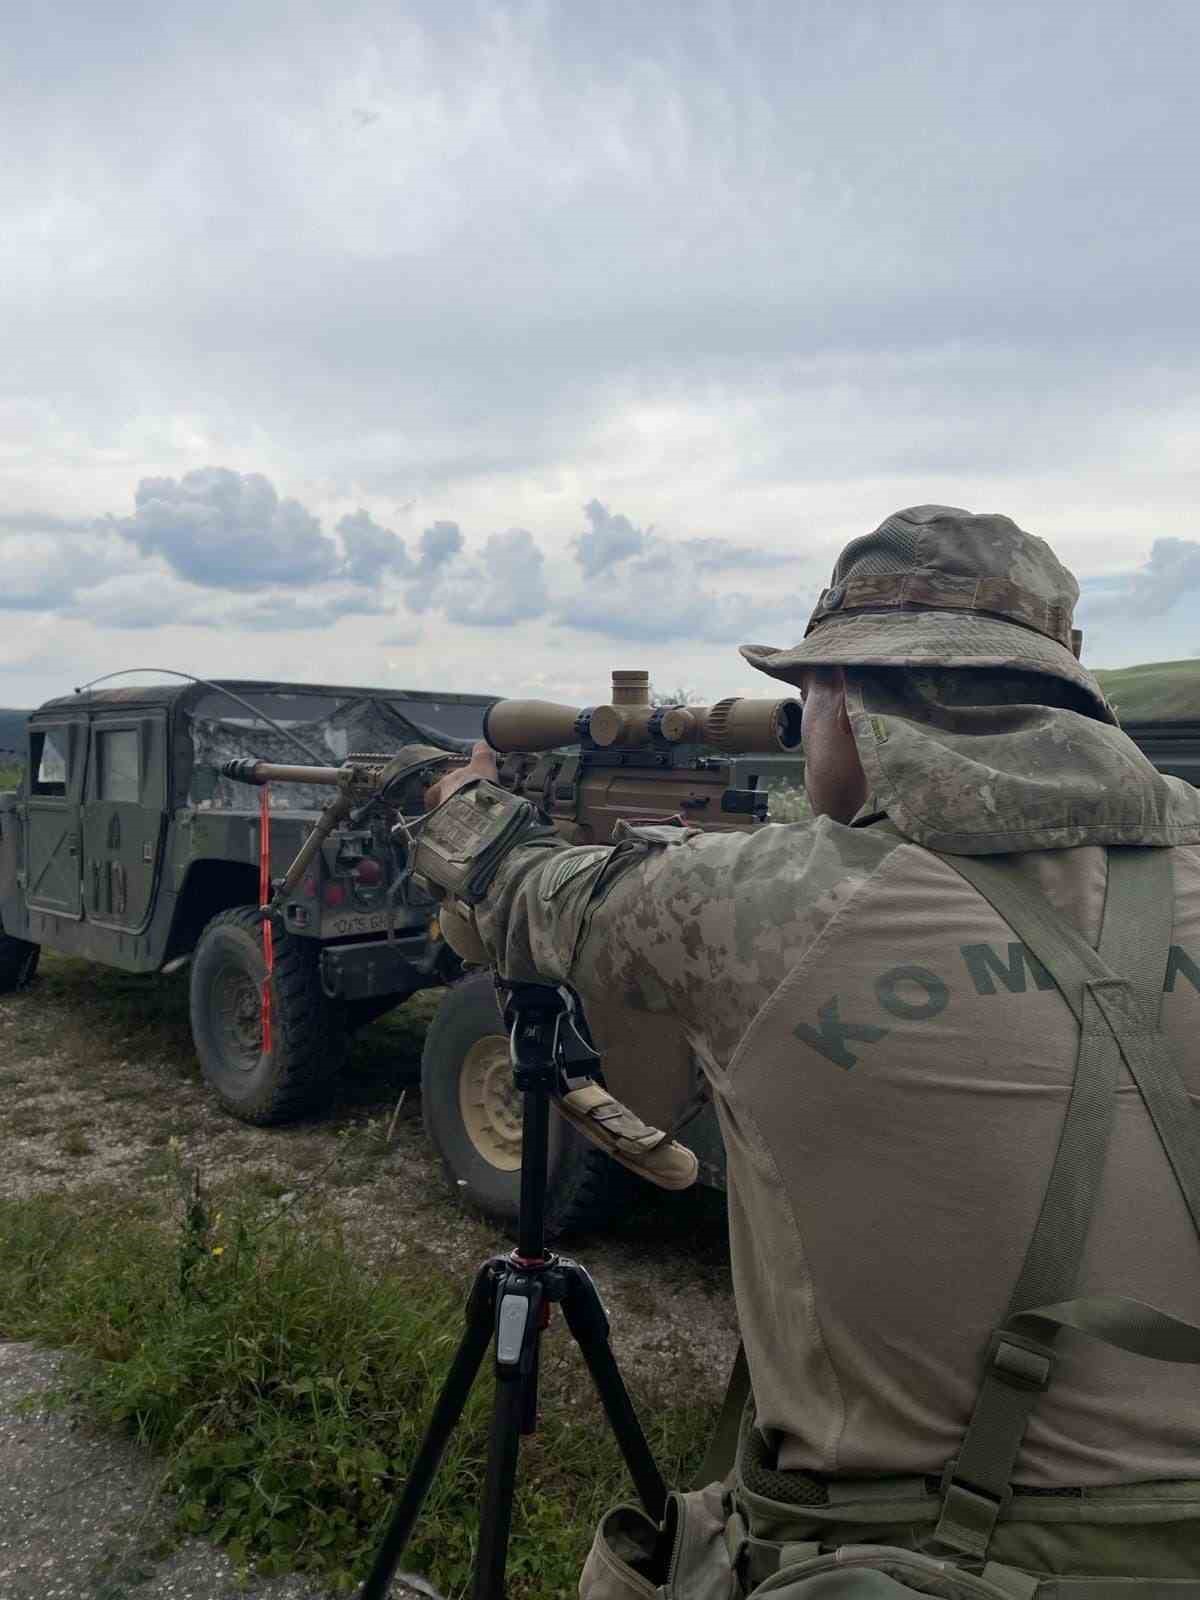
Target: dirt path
x,y
98,1085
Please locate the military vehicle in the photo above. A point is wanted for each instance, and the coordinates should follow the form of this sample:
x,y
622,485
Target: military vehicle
x,y
586,768
125,844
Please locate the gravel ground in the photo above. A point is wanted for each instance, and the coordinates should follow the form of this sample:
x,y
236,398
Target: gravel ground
x,y
97,1083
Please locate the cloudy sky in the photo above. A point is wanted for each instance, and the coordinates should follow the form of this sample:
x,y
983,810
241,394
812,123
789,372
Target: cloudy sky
x,y
492,345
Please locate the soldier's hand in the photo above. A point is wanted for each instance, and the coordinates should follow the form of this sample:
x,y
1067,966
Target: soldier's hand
x,y
481,765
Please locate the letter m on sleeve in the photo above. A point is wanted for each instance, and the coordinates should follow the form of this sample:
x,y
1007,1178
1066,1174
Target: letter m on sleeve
x,y
985,964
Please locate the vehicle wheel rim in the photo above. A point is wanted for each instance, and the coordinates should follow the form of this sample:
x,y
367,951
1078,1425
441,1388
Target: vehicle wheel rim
x,y
237,1012
489,1103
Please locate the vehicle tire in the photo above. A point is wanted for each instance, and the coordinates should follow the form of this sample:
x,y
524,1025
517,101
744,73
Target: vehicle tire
x,y
308,1038
472,1113
18,962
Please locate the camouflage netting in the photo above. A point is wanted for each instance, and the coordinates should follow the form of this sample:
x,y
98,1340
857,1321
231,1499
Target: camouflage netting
x,y
356,727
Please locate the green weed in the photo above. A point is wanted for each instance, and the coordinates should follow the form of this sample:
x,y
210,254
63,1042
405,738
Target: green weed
x,y
288,1385
787,802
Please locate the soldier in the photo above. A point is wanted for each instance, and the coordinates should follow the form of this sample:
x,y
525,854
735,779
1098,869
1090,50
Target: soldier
x,y
889,1004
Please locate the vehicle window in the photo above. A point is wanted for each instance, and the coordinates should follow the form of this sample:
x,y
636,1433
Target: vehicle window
x,y
48,761
117,764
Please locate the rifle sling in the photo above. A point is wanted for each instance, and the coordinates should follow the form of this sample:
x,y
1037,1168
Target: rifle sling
x,y
1118,1017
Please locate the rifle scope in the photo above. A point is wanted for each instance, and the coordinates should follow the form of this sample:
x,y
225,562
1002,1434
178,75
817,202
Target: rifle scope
x,y
743,727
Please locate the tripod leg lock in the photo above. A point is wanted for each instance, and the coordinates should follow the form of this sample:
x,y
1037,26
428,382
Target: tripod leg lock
x,y
521,1316
512,1322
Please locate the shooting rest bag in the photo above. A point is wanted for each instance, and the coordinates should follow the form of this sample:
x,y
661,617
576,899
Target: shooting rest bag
x,y
796,1536
648,1151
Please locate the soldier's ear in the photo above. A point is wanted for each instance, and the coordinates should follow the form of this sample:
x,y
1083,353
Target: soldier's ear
x,y
843,711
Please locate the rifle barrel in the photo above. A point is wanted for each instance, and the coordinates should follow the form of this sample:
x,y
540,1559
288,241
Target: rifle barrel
x,y
242,770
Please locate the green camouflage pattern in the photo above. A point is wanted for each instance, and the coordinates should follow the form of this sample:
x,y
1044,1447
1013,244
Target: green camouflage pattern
x,y
936,585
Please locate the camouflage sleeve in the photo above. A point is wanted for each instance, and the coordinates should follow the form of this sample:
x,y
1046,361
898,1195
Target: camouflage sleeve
x,y
703,926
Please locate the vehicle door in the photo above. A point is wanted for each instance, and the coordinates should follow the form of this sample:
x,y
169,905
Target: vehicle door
x,y
124,819
53,864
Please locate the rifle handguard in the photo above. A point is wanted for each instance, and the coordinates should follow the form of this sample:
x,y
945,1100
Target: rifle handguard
x,y
626,1138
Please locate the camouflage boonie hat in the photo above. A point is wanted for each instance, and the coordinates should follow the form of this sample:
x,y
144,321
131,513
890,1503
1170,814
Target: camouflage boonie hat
x,y
938,586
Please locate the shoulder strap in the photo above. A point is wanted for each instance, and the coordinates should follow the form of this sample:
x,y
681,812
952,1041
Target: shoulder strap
x,y
1118,1018
723,1446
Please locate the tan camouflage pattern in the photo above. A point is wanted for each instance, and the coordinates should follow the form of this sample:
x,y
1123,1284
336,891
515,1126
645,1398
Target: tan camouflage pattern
x,y
971,763
938,585
874,592
890,1074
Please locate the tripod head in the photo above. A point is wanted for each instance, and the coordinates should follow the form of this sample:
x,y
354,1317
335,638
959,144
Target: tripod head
x,y
548,1041
550,1054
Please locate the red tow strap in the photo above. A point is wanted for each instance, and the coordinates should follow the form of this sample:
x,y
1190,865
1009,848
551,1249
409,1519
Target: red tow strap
x,y
264,900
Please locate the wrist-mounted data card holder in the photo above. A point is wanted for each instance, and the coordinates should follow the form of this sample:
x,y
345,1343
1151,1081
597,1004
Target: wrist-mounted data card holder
x,y
462,843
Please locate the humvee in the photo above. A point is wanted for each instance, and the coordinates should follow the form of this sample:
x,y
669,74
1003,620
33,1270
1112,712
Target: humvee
x,y
126,845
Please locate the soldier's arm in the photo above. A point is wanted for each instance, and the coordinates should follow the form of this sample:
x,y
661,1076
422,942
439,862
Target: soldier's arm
x,y
703,926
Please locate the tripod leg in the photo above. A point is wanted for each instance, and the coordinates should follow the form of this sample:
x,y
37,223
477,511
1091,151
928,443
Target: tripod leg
x,y
495,1516
450,1402
588,1323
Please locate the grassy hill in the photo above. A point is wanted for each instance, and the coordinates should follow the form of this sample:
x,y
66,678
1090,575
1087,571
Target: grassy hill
x,y
12,729
1155,691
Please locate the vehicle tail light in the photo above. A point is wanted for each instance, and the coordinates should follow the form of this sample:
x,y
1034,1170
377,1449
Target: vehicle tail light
x,y
334,894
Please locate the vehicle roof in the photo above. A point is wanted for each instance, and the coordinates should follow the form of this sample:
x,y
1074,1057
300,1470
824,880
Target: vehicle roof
x,y
167,694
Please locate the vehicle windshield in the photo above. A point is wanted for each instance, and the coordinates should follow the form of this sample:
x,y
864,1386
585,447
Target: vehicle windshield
x,y
332,727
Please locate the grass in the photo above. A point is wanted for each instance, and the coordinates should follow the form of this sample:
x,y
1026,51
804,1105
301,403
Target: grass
x,y
10,774
145,1017
788,803
1156,689
287,1386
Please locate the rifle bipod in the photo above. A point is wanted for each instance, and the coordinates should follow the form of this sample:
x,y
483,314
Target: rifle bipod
x,y
509,1307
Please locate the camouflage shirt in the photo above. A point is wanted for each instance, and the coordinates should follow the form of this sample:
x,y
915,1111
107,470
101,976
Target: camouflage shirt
x,y
891,1072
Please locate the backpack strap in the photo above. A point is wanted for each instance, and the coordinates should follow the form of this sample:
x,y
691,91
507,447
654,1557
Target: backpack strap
x,y
1118,1018
723,1445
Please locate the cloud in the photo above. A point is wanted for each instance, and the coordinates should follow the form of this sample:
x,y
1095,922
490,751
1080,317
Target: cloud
x,y
715,555
371,550
231,531
441,545
227,530
221,549
1172,571
653,588
43,522
608,540
48,569
663,601
129,602
506,584
285,612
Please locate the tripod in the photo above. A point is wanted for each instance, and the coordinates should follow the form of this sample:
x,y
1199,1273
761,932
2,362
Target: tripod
x,y
508,1307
